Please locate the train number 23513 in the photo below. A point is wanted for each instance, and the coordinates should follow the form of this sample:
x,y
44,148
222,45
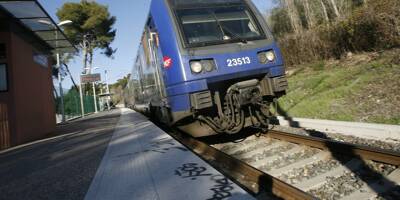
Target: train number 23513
x,y
238,61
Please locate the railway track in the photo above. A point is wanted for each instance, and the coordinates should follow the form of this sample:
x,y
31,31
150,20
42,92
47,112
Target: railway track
x,y
260,184
293,166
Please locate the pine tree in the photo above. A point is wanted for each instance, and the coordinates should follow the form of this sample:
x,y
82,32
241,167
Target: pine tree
x,y
92,28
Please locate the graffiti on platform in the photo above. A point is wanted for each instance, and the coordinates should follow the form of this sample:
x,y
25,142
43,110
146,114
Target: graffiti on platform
x,y
191,170
158,146
222,188
164,145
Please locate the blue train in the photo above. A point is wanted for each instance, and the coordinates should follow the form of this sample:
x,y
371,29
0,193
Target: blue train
x,y
206,66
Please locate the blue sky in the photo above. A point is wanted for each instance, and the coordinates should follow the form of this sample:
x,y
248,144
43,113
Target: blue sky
x,y
131,16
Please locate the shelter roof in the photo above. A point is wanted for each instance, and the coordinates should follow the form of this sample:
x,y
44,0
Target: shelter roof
x,y
35,18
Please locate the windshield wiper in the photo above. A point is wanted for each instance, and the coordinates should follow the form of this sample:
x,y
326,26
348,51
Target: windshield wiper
x,y
235,35
222,28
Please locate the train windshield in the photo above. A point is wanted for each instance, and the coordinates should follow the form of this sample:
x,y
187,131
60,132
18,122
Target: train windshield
x,y
210,25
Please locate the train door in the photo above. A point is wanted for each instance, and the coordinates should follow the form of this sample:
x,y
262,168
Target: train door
x,y
156,60
159,111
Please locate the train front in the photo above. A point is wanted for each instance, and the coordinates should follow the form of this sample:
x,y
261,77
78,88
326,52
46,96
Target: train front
x,y
232,68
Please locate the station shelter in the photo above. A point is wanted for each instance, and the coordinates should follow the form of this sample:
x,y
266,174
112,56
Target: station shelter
x,y
29,39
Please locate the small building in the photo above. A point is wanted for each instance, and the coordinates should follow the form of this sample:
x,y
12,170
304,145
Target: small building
x,y
28,39
105,101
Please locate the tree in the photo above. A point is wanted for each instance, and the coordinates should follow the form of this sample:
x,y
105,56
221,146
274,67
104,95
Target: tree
x,y
280,22
118,89
309,14
92,28
325,11
335,7
293,15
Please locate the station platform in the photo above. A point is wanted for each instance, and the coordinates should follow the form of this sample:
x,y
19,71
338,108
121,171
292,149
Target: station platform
x,y
143,162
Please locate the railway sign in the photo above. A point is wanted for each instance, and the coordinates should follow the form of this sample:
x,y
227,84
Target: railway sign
x,y
90,78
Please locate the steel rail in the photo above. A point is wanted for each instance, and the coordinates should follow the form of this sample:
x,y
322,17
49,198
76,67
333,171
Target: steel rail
x,y
366,153
255,181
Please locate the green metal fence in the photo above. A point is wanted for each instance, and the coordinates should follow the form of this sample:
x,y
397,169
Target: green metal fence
x,y
72,104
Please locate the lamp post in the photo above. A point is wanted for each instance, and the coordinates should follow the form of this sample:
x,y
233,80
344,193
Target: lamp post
x,y
84,43
58,64
94,98
60,78
81,97
108,90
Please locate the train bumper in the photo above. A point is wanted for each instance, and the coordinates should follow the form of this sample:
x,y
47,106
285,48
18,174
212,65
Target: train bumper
x,y
247,91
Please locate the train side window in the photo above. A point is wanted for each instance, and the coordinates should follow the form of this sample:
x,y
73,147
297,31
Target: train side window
x,y
153,31
136,80
150,24
3,78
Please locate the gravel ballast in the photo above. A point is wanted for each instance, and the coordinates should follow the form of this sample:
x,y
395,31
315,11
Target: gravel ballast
x,y
310,171
341,186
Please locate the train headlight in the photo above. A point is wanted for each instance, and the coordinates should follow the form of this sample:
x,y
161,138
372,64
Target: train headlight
x,y
196,67
209,65
270,56
266,56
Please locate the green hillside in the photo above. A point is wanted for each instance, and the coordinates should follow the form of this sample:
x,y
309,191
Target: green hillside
x,y
363,87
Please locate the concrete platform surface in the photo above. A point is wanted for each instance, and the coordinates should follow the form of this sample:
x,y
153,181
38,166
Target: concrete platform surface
x,y
61,167
143,162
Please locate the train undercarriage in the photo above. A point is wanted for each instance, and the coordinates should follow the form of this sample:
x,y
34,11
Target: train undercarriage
x,y
233,105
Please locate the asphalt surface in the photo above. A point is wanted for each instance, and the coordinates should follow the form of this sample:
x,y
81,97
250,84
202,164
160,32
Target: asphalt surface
x,y
62,168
